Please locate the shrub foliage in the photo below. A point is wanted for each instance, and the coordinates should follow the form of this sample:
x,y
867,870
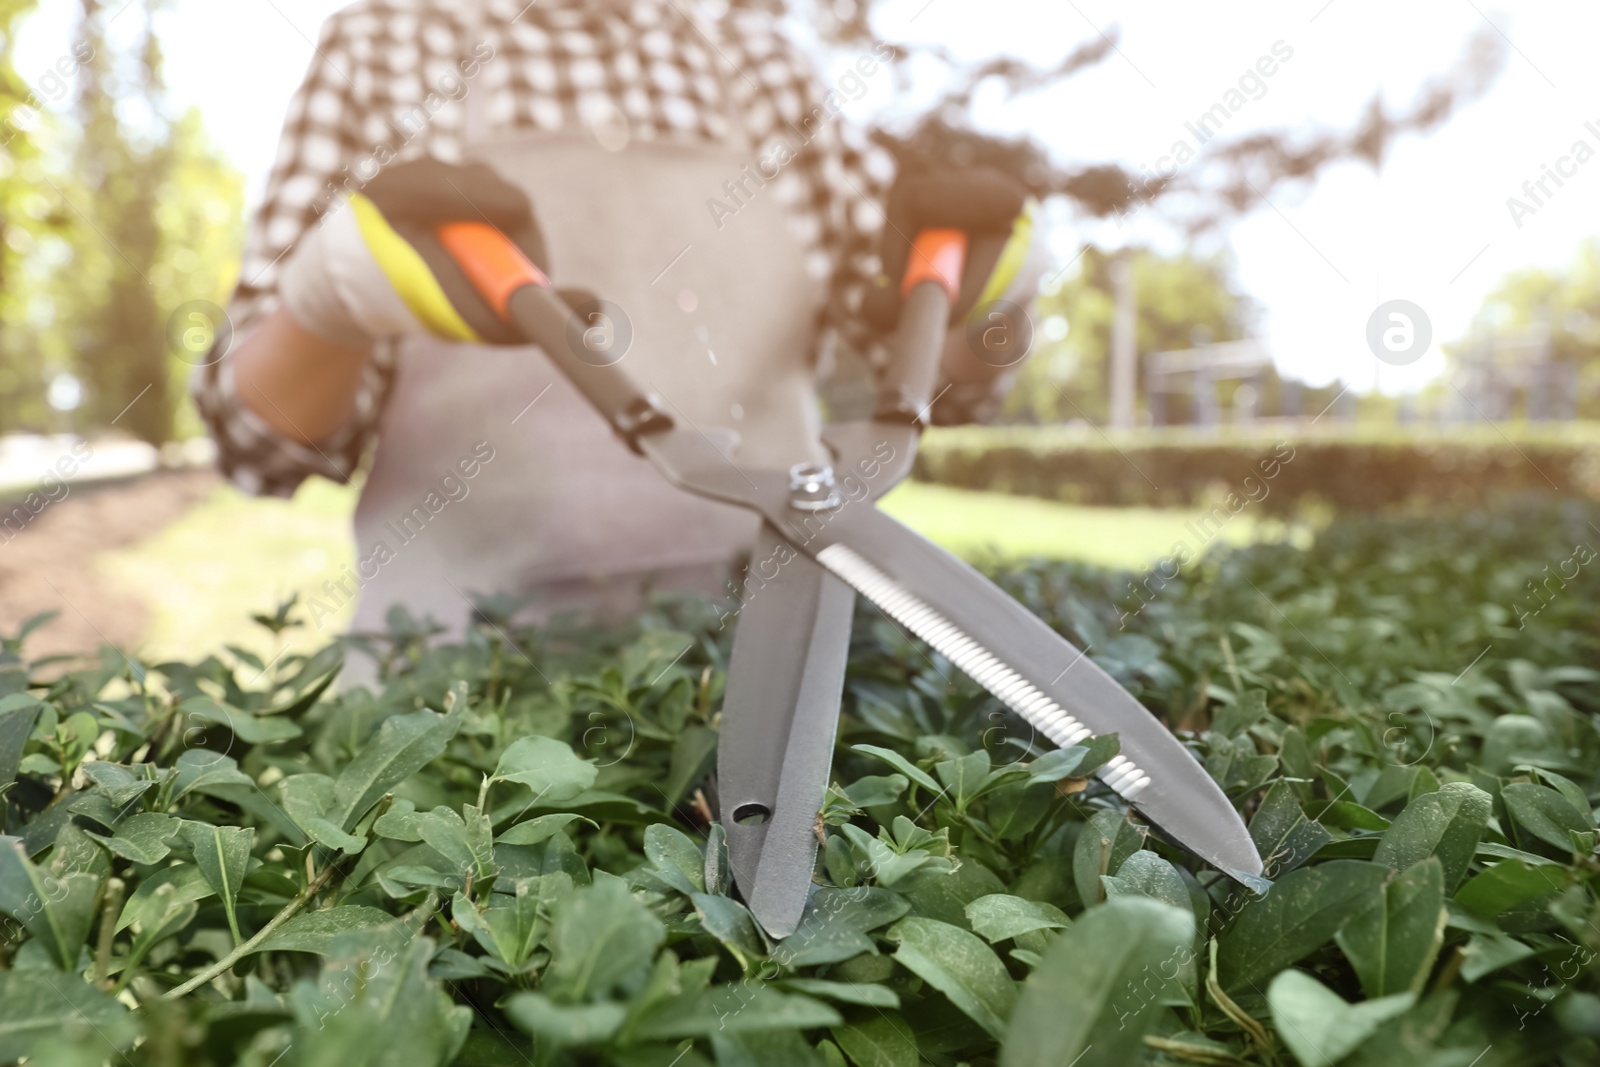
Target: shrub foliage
x,y
1349,470
503,853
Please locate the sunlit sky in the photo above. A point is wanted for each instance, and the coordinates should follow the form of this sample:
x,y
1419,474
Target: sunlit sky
x,y
1433,227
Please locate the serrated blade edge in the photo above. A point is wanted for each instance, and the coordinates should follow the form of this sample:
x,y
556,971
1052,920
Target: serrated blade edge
x,y
977,662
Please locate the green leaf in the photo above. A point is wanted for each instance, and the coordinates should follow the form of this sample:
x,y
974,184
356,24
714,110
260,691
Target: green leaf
x,y
374,1003
36,1006
565,1025
599,936
320,670
164,913
969,777
836,923
556,853
1446,824
677,860
1016,810
223,855
143,838
715,872
402,822
402,746
1418,1037
898,853
1107,839
964,777
1393,942
309,800
876,789
1393,783
1237,717
1146,874
94,805
960,966
882,1040
1283,835
1486,953
736,1009
1348,815
945,896
18,713
55,910
1235,763
39,764
866,994
325,930
692,756
901,764
184,884
770,1049
1001,917
1100,986
1298,915
1318,1025
1506,852
533,831
245,726
199,769
1565,786
1508,885
548,767
1548,816
731,923
509,927
1075,761
465,842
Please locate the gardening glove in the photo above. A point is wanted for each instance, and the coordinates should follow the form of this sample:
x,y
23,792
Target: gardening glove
x,y
991,326
375,268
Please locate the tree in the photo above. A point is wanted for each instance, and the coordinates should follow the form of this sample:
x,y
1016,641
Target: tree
x,y
120,343
1183,300
27,220
155,223
1566,302
1226,180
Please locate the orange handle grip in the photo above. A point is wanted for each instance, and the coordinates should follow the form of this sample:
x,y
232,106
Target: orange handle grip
x,y
492,262
936,256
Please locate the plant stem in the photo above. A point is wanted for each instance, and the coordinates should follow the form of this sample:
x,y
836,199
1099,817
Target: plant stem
x,y
290,910
1448,975
110,907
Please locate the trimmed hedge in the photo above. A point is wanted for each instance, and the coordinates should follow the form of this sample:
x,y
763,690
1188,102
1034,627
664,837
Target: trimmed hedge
x,y
500,854
1347,469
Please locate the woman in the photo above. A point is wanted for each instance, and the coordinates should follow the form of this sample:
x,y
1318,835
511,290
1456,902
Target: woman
x,y
691,171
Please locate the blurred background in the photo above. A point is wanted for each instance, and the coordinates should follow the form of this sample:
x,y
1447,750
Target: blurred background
x,y
1310,257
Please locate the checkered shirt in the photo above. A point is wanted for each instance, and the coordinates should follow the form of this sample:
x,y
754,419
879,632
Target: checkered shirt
x,y
673,70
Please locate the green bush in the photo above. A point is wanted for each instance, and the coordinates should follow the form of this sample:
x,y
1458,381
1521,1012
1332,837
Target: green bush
x,y
1349,470
504,856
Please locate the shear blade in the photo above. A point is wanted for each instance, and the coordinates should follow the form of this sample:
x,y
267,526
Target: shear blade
x,y
779,717
1031,668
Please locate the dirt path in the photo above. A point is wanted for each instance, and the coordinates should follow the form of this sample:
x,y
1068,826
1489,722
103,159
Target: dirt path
x,y
50,564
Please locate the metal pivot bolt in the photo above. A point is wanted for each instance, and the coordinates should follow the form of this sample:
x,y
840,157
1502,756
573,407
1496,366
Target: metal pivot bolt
x,y
811,487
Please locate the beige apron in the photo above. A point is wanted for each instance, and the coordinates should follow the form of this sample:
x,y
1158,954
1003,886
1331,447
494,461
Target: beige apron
x,y
492,475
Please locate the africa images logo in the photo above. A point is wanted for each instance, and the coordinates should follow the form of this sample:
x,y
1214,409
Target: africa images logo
x,y
1251,85
1538,191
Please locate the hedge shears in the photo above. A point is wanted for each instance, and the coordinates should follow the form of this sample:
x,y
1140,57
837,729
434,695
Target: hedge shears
x,y
821,542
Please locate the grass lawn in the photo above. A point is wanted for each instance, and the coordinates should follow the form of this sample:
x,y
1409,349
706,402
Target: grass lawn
x,y
985,525
234,555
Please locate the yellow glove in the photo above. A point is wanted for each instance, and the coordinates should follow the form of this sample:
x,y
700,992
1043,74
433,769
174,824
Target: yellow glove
x,y
375,267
